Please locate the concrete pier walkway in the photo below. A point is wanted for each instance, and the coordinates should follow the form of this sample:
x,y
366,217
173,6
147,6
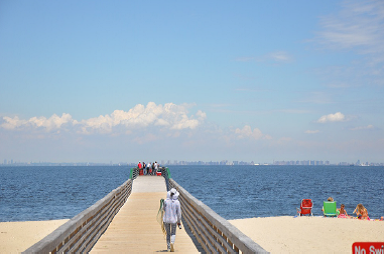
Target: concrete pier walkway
x,y
135,228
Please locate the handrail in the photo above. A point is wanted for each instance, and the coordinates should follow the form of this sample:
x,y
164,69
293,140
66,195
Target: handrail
x,y
134,173
214,233
167,173
81,232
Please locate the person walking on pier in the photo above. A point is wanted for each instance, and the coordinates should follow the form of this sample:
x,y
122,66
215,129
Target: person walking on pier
x,y
172,217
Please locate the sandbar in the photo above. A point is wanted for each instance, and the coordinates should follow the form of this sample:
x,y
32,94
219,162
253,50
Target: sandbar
x,y
287,234
16,237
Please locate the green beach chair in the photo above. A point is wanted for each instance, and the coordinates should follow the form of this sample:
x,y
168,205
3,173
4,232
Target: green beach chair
x,y
330,209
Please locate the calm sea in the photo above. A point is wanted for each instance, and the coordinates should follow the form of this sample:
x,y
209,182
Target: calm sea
x,y
45,193
236,192
48,193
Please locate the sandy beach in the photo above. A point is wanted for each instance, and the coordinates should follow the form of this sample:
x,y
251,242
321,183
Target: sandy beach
x,y
16,237
275,234
310,234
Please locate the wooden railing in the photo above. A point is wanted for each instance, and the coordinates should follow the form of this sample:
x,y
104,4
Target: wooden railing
x,y
134,173
214,233
81,232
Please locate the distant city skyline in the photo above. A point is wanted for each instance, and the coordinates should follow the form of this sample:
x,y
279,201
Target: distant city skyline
x,y
192,80
176,162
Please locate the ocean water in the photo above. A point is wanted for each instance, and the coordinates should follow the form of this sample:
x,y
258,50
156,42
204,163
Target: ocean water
x,y
49,193
46,193
236,192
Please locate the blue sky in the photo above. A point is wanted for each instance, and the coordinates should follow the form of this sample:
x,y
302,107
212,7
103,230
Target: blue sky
x,y
256,81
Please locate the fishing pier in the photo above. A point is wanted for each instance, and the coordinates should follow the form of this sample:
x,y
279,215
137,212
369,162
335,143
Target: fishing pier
x,y
125,221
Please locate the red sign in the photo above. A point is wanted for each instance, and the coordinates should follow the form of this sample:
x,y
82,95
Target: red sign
x,y
368,248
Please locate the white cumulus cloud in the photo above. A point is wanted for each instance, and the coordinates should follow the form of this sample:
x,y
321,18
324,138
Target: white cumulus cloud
x,y
54,122
337,117
247,132
169,115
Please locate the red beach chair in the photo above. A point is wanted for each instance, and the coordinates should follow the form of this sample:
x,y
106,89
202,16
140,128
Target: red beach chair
x,y
305,207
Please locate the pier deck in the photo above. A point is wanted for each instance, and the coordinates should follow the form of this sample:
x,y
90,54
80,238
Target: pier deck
x,y
135,228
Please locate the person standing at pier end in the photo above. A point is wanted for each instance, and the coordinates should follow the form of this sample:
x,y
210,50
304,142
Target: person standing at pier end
x,y
148,168
172,217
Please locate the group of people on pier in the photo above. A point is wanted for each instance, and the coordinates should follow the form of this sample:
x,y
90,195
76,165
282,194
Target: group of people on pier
x,y
148,169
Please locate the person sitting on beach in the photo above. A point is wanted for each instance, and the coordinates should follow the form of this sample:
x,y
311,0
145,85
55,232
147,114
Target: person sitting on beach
x,y
342,212
361,212
330,199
